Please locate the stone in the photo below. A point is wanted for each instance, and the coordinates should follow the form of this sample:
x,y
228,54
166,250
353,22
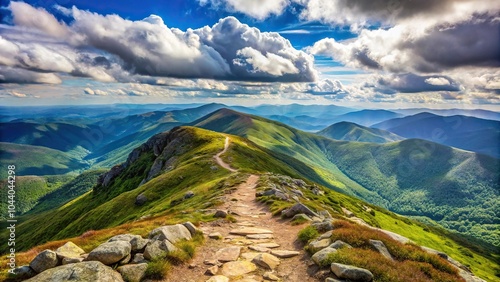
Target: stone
x,y
330,279
192,228
220,214
323,226
188,194
79,272
299,182
381,248
71,260
320,256
228,254
298,192
259,236
326,235
317,245
249,255
347,212
325,214
138,258
110,252
215,235
259,249
133,272
44,260
351,272
158,249
212,270
24,272
271,277
238,268
69,250
301,216
172,233
218,278
270,245
284,253
136,241
296,209
340,244
267,261
125,260
249,231
212,262
140,200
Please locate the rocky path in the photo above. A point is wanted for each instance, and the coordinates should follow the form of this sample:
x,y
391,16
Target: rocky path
x,y
257,247
220,161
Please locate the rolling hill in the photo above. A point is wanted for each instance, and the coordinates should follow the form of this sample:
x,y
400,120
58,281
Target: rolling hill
x,y
348,131
412,177
468,133
366,117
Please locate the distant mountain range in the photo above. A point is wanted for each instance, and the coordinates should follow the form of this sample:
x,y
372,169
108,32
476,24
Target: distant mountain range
x,y
348,131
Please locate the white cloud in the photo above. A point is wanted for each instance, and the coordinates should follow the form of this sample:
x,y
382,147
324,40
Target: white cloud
x,y
271,63
97,92
28,16
18,95
258,9
437,81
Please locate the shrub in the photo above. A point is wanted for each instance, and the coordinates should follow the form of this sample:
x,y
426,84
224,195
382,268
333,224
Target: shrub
x,y
157,269
307,234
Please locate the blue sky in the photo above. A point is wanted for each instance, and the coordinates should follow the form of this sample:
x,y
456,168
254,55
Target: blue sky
x,y
385,54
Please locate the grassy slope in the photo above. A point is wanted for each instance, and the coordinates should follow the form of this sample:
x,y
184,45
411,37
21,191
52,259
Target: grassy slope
x,y
36,160
414,177
348,131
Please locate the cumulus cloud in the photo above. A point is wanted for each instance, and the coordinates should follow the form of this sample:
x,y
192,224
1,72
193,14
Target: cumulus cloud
x,y
17,75
97,92
412,83
126,50
258,9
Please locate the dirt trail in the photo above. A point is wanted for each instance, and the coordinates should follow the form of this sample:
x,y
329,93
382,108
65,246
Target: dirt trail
x,y
242,205
220,161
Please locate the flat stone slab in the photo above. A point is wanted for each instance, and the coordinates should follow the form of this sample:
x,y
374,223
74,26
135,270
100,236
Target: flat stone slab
x,y
284,253
218,278
249,255
259,249
260,236
228,254
249,231
268,245
238,268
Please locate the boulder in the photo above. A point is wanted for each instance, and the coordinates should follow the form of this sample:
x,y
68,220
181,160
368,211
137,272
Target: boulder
x,y
267,261
138,258
299,182
220,214
320,256
192,228
284,253
323,226
188,194
110,252
298,192
133,272
317,245
215,235
125,260
158,249
296,209
237,268
351,272
325,214
79,272
212,270
381,248
24,272
140,200
44,260
301,216
326,235
71,260
172,233
340,244
136,241
228,254
69,250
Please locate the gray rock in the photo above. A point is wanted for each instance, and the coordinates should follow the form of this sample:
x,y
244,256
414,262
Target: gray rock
x,y
326,235
298,192
340,244
125,260
299,182
320,256
106,178
110,252
323,226
351,272
138,258
136,241
140,200
69,250
325,214
220,213
228,254
24,272
192,228
155,169
79,272
188,194
330,279
296,209
71,260
172,233
44,260
301,216
158,249
133,272
215,236
381,248
317,245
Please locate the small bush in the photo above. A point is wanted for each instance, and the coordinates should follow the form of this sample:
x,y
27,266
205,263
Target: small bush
x,y
307,234
299,221
157,269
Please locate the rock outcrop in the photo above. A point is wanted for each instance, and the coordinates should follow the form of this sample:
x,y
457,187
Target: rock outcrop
x,y
79,272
